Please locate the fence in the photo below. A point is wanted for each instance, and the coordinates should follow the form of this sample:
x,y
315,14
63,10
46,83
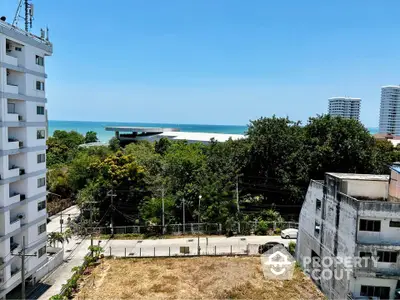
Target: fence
x,y
192,228
181,251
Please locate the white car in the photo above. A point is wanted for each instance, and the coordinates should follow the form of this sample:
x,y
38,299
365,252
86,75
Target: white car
x,y
290,233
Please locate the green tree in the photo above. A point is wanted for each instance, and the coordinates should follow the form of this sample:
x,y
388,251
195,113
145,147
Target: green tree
x,y
336,144
114,144
91,137
151,210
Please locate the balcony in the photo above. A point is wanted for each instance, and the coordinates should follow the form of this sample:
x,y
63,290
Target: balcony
x,y
11,117
15,223
14,198
13,171
11,88
11,60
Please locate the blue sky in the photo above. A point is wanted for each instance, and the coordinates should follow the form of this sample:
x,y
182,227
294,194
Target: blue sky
x,y
215,61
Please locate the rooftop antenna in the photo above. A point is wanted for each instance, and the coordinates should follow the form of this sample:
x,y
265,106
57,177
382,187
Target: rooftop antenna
x,y
28,18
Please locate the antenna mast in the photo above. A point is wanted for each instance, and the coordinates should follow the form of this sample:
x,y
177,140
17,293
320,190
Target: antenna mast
x,y
28,18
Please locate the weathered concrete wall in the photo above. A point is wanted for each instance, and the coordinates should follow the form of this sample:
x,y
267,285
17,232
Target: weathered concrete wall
x,y
356,283
394,187
365,189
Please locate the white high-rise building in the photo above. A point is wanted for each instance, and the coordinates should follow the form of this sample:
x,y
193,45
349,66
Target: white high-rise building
x,y
389,117
23,213
345,107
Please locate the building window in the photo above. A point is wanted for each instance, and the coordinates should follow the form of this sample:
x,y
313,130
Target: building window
x,y
365,254
387,256
18,49
40,110
41,158
40,134
394,224
40,85
41,205
41,228
382,292
42,251
41,182
39,60
318,204
370,225
317,228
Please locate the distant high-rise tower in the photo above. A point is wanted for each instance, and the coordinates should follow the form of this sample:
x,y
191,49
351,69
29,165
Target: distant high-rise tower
x,y
345,107
389,118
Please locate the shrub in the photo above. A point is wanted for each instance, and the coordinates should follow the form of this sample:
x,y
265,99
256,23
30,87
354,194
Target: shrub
x,y
292,247
277,231
262,228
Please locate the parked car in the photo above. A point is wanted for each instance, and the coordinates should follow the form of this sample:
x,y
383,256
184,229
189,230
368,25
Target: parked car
x,y
290,233
267,246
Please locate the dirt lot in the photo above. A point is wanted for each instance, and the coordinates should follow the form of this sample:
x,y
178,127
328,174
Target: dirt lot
x,y
191,278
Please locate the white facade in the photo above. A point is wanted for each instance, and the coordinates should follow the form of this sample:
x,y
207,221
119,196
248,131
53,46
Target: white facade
x,y
389,117
348,216
345,107
22,154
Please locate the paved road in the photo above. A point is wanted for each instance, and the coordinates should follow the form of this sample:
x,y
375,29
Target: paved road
x,y
171,247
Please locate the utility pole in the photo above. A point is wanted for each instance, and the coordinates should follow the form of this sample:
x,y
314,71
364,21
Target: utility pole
x,y
183,203
22,254
237,200
112,195
163,219
198,230
91,223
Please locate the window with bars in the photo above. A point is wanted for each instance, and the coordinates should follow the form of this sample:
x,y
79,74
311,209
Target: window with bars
x,y
42,251
387,256
41,228
39,60
41,158
40,110
41,182
41,205
382,292
41,134
370,225
40,85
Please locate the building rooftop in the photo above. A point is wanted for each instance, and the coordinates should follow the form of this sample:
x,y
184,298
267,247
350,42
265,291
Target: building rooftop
x,y
391,86
354,176
201,136
140,129
346,98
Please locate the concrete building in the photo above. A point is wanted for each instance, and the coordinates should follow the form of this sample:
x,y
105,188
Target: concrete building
x,y
131,134
353,216
345,107
22,154
389,117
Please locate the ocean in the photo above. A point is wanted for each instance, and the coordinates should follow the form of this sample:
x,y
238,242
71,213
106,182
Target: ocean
x,y
105,136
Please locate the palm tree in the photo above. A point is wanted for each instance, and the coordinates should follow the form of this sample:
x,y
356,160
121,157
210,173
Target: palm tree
x,y
55,237
58,237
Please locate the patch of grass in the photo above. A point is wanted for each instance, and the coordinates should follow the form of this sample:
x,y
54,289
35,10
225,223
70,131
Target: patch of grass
x,y
191,278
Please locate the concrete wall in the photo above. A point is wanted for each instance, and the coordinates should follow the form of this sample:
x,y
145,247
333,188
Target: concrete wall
x,y
52,263
365,189
394,186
